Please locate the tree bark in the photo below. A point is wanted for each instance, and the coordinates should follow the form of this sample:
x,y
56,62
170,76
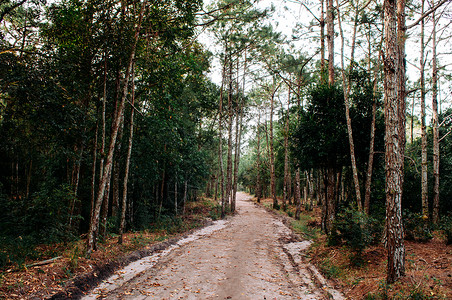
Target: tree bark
x,y
435,216
272,153
297,197
424,162
122,223
393,148
322,42
330,39
346,84
230,122
286,156
116,123
258,158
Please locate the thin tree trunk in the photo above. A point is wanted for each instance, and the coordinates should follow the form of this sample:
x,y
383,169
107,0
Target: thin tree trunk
x,y
230,122
75,183
286,156
330,39
424,163
347,88
297,194
272,154
93,172
435,216
116,123
220,137
393,148
258,158
322,42
370,162
122,223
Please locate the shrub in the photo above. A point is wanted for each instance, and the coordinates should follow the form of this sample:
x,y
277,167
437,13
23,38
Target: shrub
x,y
416,227
446,226
357,230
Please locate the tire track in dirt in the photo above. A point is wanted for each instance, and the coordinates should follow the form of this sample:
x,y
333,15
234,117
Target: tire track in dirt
x,y
252,255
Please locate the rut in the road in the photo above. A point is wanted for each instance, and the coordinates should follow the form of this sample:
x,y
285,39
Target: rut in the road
x,y
253,255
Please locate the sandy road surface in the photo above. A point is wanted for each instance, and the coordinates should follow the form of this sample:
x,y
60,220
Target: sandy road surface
x,y
251,256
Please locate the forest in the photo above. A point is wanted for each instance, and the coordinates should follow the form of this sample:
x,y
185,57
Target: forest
x,y
116,116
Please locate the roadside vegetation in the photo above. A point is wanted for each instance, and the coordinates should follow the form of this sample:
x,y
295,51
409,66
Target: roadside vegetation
x,y
46,269
355,259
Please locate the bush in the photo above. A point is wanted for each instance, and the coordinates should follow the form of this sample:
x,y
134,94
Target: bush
x,y
416,227
446,226
357,230
28,222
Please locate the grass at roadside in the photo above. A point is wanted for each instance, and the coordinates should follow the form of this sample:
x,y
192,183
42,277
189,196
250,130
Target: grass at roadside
x,y
23,282
428,264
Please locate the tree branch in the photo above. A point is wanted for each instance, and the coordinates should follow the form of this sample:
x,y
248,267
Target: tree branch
x,y
426,14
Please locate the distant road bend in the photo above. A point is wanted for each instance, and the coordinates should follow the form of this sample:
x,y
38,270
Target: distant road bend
x,y
252,255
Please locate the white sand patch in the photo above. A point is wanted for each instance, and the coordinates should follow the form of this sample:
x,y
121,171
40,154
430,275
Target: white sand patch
x,y
137,267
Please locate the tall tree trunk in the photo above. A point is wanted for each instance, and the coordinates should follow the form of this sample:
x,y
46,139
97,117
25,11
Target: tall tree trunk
x,y
116,123
424,163
330,39
220,138
393,148
370,161
93,171
230,123
258,158
435,216
347,88
297,197
272,153
322,42
122,224
286,156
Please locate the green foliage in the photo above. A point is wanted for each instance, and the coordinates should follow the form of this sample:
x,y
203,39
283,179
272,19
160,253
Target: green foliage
x,y
446,226
357,230
416,227
329,269
27,223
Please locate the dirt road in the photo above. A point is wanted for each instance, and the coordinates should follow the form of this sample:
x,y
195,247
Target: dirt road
x,y
253,255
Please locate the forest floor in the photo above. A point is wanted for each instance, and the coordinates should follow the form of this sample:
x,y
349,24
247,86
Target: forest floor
x,y
251,255
428,264
72,272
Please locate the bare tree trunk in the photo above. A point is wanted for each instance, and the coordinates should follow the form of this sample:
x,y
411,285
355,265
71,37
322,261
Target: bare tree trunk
x,y
424,163
347,88
272,154
370,162
435,216
230,122
297,194
93,172
286,156
116,123
330,39
238,134
220,142
258,158
393,148
122,224
322,42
